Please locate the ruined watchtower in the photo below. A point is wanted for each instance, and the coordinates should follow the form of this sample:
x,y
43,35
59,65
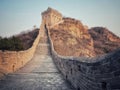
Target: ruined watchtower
x,y
51,17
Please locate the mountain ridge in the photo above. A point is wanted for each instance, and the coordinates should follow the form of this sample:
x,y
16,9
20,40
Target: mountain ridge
x,y
105,41
76,40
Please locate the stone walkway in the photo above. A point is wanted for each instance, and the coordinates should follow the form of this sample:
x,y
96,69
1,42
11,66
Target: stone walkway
x,y
38,74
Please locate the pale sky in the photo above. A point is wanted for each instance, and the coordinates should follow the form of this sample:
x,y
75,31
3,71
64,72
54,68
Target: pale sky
x,y
20,15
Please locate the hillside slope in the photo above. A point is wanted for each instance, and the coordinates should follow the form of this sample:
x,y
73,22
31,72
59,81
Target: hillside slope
x,y
27,38
104,40
70,38
19,42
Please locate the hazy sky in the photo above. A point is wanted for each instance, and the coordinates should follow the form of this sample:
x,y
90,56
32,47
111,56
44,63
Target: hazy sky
x,y
21,15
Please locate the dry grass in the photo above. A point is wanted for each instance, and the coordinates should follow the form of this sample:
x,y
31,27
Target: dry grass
x,y
28,38
70,38
104,40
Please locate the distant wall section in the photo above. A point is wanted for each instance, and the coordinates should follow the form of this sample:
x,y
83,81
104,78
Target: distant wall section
x,y
51,17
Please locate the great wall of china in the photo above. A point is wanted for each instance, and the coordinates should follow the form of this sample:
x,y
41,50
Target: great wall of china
x,y
100,73
11,61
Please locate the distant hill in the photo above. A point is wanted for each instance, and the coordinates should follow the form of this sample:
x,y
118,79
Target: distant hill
x,y
27,38
19,42
104,40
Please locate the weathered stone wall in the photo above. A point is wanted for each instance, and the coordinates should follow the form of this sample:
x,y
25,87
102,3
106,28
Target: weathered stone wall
x,y
100,73
51,17
10,61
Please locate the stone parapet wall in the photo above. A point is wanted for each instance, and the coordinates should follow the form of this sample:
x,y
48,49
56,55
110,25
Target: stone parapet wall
x,y
11,61
98,73
51,17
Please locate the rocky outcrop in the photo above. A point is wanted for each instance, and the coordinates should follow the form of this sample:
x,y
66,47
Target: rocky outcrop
x,y
70,38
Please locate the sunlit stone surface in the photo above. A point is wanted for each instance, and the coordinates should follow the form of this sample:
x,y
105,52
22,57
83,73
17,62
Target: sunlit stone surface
x,y
39,74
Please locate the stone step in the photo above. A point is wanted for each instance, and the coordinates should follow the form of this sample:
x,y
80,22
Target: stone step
x,y
40,63
43,49
38,74
34,81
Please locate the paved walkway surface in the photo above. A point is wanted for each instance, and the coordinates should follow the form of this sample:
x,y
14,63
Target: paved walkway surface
x,y
38,74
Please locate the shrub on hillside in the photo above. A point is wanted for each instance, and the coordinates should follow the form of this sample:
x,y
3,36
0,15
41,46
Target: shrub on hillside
x,y
12,44
22,41
27,38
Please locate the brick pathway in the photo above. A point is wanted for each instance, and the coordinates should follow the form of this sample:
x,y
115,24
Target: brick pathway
x,y
38,74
